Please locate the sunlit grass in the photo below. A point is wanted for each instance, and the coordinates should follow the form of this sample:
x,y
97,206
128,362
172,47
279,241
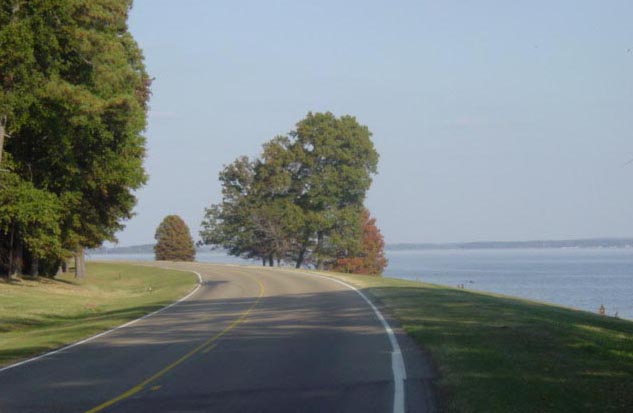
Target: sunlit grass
x,y
37,316
501,354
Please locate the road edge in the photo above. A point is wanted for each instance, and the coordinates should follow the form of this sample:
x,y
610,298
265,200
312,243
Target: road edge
x,y
397,360
103,333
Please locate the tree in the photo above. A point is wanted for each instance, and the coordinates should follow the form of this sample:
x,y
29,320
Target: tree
x,y
173,240
334,162
73,98
229,223
18,79
29,220
371,260
301,200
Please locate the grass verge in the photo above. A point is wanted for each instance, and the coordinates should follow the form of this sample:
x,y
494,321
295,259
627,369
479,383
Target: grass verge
x,y
502,354
38,316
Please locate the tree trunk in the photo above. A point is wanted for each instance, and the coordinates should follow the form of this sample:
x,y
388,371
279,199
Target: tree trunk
x,y
319,246
80,263
301,257
264,261
10,267
17,258
271,261
35,266
1,139
64,266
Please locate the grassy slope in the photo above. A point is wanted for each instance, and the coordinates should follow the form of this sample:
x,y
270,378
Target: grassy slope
x,y
37,316
501,354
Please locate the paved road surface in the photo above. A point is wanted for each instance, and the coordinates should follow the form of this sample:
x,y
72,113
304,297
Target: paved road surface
x,y
248,340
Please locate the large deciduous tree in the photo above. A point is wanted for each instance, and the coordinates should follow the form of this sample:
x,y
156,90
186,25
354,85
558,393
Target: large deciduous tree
x,y
302,199
73,98
333,163
173,240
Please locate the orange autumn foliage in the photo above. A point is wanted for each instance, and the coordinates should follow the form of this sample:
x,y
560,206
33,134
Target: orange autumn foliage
x,y
371,260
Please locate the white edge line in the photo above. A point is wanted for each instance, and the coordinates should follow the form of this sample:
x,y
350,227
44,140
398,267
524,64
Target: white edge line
x,y
129,323
397,361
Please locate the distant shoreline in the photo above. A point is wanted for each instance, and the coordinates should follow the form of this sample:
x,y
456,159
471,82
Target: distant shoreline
x,y
538,244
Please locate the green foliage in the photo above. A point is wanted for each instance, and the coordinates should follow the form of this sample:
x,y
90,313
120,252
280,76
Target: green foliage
x,y
173,240
74,95
29,216
302,199
334,159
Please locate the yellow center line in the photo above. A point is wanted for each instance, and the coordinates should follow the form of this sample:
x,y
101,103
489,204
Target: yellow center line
x,y
139,387
206,350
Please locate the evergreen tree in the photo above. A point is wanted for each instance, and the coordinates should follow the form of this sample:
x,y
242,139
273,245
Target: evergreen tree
x,y
173,240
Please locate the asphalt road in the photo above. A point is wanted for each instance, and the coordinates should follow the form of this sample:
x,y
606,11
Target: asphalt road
x,y
248,340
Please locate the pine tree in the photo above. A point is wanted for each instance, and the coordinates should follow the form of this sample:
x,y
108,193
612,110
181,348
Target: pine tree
x,y
173,240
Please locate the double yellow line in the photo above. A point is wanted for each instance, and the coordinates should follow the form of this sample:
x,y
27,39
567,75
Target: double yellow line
x,y
206,346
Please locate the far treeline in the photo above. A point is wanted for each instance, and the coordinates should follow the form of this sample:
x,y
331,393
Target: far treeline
x,y
302,200
73,104
543,244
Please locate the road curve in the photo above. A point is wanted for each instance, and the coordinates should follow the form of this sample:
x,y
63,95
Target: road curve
x,y
248,340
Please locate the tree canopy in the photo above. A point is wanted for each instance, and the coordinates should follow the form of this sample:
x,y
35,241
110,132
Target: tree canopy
x,y
371,258
302,199
173,240
73,103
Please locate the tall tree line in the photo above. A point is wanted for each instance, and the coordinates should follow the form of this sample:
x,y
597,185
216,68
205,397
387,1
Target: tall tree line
x,y
73,104
302,200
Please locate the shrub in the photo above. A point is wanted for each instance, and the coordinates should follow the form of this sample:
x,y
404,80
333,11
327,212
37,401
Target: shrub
x,y
173,240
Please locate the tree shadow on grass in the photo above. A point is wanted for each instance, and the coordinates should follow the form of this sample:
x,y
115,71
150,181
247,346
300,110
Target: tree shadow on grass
x,y
68,328
325,347
503,354
494,353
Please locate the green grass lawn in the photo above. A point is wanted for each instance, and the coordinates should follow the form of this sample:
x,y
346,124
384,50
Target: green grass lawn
x,y
37,316
502,354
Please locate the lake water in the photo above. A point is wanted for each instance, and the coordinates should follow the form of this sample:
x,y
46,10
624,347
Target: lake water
x,y
578,278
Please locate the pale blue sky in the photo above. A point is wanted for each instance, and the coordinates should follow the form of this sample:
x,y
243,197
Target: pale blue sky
x,y
495,120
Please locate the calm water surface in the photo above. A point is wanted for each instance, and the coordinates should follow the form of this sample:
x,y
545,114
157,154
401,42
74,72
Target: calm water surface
x,y
578,278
